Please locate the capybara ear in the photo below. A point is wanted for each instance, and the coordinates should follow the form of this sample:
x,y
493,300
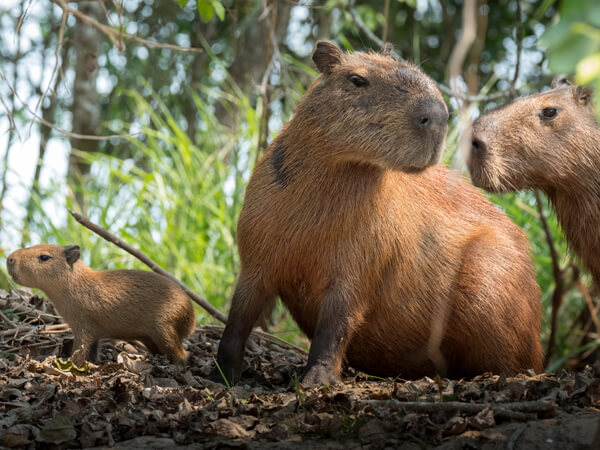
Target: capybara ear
x,y
327,55
584,95
387,49
560,80
72,253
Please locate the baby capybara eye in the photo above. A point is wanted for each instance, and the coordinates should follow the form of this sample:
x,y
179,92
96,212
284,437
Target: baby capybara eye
x,y
549,113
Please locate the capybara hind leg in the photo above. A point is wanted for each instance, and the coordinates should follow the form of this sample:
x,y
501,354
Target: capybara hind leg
x,y
249,301
88,343
150,345
336,324
170,345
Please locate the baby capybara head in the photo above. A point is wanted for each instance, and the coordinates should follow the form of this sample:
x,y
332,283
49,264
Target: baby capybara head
x,y
371,108
42,265
537,141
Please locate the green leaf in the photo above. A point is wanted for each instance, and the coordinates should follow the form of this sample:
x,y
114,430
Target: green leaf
x,y
182,3
68,366
219,9
588,69
205,9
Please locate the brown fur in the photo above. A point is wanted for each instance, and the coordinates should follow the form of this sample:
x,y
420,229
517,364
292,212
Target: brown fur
x,y
515,149
365,253
118,304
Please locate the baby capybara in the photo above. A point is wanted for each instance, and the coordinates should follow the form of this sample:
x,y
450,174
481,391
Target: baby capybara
x,y
118,304
372,254
548,141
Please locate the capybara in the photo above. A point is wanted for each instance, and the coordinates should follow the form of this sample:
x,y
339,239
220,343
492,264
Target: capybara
x,y
373,253
548,141
118,304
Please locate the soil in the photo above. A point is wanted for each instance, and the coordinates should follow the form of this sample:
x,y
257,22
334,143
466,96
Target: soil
x,y
133,400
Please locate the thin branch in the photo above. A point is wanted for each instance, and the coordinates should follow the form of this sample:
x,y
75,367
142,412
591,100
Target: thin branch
x,y
149,262
386,19
518,38
60,130
116,36
557,296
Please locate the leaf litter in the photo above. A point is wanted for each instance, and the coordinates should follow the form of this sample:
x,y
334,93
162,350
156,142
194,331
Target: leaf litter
x,y
133,400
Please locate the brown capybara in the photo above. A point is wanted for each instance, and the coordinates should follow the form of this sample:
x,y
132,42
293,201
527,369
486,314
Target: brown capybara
x,y
548,141
118,304
376,258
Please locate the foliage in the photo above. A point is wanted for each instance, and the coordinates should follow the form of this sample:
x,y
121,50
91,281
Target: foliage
x,y
574,42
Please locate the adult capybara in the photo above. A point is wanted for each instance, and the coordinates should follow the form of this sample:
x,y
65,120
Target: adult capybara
x,y
548,141
119,304
377,259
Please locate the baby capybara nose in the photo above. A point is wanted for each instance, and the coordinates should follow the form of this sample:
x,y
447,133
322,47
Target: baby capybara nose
x,y
477,147
429,114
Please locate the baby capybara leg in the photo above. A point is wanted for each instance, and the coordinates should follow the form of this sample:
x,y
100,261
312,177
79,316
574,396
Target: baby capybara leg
x,y
168,343
249,300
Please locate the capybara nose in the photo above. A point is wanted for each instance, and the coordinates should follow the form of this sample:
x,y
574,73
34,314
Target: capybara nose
x,y
477,147
429,114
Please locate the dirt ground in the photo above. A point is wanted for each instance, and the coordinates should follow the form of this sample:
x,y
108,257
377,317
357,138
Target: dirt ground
x,y
131,400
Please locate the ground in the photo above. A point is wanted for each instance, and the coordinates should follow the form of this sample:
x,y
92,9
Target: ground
x,y
132,400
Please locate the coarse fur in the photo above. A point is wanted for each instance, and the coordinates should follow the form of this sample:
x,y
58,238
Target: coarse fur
x,y
372,252
516,148
117,304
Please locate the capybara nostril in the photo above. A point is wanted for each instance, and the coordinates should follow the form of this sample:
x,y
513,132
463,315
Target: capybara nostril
x,y
10,261
477,147
430,113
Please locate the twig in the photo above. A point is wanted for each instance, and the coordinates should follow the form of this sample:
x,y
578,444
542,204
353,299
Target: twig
x,y
514,437
7,320
262,335
62,131
556,272
518,37
117,35
386,20
149,262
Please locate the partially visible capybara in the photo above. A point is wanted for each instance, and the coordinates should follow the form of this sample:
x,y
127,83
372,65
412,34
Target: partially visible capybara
x,y
377,259
548,141
118,304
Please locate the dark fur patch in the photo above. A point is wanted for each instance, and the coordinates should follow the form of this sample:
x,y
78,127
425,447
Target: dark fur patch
x,y
278,161
398,88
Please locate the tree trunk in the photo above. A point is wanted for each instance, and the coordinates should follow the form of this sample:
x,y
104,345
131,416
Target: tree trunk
x,y
86,108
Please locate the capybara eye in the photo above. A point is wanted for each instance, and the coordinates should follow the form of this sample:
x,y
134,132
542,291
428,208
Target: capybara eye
x,y
44,258
549,113
358,81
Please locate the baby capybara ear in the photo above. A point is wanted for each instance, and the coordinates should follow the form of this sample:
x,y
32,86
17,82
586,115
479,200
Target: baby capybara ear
x,y
584,95
72,253
327,55
560,80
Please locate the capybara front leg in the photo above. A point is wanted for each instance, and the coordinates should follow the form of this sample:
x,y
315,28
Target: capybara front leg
x,y
336,324
249,300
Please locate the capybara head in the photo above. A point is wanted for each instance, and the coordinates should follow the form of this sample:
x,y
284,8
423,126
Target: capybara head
x,y
540,141
42,265
371,108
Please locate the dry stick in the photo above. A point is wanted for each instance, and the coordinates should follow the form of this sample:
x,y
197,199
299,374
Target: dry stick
x,y
149,262
558,277
518,37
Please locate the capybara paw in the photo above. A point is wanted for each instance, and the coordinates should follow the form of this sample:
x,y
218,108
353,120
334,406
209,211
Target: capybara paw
x,y
319,374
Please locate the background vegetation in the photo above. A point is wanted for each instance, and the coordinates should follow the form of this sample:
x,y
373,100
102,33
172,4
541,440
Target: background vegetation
x,y
179,130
